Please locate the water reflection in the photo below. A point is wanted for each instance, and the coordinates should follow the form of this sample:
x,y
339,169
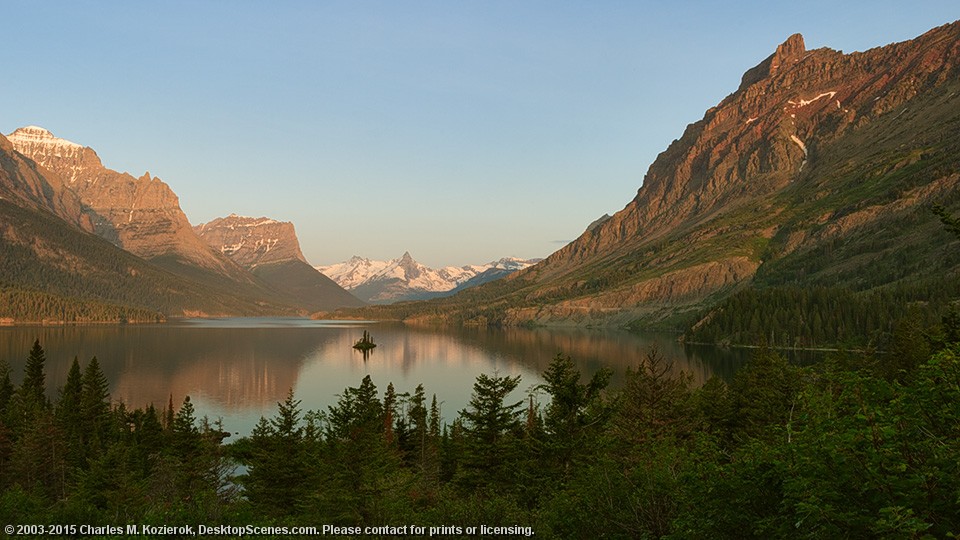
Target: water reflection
x,y
238,369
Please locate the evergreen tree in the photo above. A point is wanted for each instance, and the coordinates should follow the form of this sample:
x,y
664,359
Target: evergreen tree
x,y
279,476
762,394
186,435
491,431
95,405
655,403
69,414
575,415
33,389
6,389
389,413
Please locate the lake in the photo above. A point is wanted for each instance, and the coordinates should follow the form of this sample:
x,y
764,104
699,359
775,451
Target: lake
x,y
239,369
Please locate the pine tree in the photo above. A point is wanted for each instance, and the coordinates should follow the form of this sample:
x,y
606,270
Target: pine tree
x,y
95,405
6,388
33,389
491,430
279,476
70,416
576,413
389,413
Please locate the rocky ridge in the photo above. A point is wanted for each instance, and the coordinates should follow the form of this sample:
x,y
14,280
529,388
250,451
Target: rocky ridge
x,y
812,143
23,181
141,215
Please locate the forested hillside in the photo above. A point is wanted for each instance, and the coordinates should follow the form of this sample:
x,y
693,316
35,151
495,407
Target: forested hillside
x,y
51,271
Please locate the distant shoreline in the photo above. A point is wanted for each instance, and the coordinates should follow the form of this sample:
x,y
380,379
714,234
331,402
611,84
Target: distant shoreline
x,y
10,322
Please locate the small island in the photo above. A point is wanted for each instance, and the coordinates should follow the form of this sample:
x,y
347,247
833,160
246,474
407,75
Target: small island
x,y
365,343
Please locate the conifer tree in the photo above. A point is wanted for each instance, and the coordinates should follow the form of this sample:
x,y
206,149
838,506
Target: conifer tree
x,y
491,429
95,405
33,388
6,388
279,476
69,414
389,413
576,413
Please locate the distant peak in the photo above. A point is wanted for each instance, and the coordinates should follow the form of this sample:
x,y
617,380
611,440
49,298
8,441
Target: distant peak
x,y
37,134
406,256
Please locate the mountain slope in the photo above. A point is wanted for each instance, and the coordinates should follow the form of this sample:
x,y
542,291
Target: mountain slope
x,y
52,267
45,264
819,168
23,182
271,251
141,215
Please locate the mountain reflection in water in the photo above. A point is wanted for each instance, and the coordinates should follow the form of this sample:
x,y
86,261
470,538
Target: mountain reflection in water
x,y
238,369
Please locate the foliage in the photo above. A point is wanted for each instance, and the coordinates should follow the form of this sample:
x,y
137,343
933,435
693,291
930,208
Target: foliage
x,y
845,448
789,316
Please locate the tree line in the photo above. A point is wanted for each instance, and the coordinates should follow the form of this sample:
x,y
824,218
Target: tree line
x,y
859,445
35,306
807,317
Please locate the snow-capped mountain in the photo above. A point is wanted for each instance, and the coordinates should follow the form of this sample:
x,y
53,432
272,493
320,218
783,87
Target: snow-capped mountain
x,y
406,279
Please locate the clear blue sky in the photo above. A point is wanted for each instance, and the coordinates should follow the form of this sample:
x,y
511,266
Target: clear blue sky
x,y
460,131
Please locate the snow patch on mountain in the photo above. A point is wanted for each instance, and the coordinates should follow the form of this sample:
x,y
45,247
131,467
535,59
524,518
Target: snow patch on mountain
x,y
404,277
48,150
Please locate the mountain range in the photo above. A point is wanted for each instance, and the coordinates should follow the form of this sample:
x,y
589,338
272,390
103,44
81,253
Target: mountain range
x,y
404,278
820,169
80,242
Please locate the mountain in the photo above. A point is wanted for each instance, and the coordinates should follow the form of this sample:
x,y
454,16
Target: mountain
x,y
819,170
404,278
61,259
271,251
28,185
53,268
141,215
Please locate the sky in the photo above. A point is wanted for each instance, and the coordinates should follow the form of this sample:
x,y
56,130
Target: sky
x,y
461,132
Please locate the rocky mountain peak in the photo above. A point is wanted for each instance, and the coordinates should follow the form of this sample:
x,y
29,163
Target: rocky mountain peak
x,y
779,131
251,242
38,134
142,216
404,278
66,158
411,268
788,52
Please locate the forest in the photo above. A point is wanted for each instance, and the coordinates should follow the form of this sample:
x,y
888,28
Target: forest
x,y
859,445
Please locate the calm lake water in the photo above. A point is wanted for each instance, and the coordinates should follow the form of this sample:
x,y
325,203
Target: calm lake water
x,y
239,369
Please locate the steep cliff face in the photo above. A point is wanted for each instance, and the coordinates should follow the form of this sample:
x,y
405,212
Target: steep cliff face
x,y
24,181
271,251
819,169
250,242
141,215
786,113
50,256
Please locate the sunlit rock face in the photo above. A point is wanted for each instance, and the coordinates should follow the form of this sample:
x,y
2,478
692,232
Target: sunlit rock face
x,y
141,215
252,241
